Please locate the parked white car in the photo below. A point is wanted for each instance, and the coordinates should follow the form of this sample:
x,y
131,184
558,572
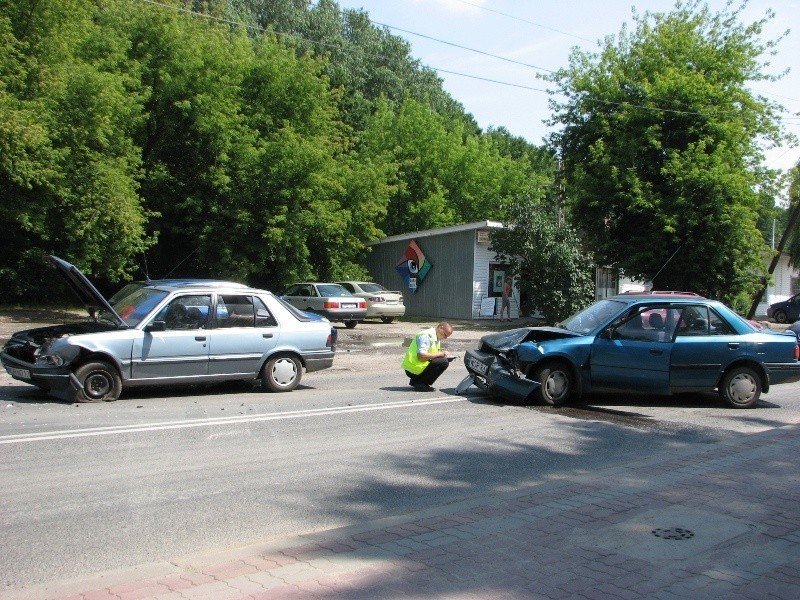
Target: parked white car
x,y
330,300
381,302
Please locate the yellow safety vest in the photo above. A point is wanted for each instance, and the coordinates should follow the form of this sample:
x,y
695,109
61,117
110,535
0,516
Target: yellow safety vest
x,y
411,362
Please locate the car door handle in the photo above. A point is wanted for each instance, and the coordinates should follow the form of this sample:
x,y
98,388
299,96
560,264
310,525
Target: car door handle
x,y
656,352
199,338
266,335
733,345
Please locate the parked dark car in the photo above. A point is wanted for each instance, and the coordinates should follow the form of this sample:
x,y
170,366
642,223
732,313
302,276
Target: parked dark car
x,y
658,344
169,332
787,311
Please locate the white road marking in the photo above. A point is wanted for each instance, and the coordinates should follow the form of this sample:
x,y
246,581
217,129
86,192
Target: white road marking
x,y
20,438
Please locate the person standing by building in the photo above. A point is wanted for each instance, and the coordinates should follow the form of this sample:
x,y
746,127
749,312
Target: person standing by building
x,y
425,360
506,303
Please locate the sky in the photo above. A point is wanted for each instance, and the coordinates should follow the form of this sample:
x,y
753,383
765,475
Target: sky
x,y
476,46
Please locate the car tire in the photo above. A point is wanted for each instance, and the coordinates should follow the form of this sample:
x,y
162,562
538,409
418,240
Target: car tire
x,y
99,382
556,383
780,316
282,373
350,324
387,320
740,387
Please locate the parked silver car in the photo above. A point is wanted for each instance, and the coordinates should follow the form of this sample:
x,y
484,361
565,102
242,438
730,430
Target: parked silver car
x,y
169,332
330,300
381,303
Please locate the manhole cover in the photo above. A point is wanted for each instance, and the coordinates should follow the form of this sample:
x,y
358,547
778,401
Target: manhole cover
x,y
673,533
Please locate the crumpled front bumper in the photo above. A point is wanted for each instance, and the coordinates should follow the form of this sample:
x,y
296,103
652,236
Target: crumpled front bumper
x,y
494,374
56,380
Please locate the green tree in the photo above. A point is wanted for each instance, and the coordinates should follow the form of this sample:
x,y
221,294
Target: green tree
x,y
661,147
69,167
555,272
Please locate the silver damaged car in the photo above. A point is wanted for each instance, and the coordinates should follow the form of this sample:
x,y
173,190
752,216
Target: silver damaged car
x,y
169,332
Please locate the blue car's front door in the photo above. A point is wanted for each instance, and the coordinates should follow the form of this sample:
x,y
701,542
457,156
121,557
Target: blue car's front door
x,y
630,365
634,353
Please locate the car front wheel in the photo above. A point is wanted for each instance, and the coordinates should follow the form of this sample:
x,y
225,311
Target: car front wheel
x,y
780,316
99,382
740,387
556,383
282,374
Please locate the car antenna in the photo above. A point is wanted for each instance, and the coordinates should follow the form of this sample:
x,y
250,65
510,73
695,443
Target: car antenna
x,y
146,270
180,263
649,284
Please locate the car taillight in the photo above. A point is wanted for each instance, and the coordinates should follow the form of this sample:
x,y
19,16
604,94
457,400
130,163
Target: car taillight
x,y
797,351
362,304
377,299
329,304
332,337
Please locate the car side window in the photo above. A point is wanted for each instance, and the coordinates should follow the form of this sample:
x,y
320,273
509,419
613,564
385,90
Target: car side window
x,y
264,318
647,324
349,287
694,321
186,312
718,326
235,310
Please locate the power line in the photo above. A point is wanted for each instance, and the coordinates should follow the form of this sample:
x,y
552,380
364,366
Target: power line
x,y
785,120
476,51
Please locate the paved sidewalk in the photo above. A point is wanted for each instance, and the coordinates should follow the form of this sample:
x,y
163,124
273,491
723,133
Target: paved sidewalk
x,y
721,521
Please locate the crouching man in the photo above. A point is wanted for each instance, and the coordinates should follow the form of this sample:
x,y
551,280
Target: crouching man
x,y
425,359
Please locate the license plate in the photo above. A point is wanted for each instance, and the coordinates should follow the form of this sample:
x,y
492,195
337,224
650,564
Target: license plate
x,y
348,305
477,365
22,373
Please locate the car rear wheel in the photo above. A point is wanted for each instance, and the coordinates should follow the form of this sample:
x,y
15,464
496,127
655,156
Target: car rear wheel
x,y
780,316
740,387
556,383
99,382
387,320
282,373
350,324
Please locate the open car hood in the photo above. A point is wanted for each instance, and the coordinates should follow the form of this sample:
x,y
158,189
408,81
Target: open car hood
x,y
83,288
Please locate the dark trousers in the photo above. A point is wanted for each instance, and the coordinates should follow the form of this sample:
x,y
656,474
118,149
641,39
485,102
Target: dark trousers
x,y
431,373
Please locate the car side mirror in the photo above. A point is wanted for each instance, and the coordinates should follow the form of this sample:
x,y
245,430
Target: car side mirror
x,y
156,326
607,334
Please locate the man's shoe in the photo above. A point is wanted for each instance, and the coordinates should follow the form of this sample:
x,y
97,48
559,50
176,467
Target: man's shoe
x,y
422,387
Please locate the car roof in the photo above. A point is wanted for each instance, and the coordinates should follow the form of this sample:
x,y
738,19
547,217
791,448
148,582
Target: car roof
x,y
199,284
656,297
660,293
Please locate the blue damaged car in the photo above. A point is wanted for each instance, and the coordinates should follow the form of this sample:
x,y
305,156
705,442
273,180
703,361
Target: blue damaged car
x,y
170,332
648,343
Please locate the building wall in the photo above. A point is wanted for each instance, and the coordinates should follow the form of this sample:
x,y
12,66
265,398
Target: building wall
x,y
484,258
447,290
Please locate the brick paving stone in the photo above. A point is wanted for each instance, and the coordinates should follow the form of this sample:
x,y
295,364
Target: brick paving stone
x,y
561,539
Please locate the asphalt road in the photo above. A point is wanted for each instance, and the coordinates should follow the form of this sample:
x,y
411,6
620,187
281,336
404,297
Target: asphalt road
x,y
159,474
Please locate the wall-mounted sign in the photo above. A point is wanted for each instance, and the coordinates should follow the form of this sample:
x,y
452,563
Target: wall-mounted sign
x,y
413,266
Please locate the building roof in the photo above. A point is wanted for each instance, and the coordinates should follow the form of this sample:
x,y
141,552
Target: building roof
x,y
440,231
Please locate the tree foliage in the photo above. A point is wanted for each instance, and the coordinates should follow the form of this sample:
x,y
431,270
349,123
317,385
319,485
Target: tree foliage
x,y
662,145
554,270
256,140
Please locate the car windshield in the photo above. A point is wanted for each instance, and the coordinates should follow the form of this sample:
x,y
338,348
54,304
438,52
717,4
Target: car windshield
x,y
372,288
133,303
591,318
332,289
